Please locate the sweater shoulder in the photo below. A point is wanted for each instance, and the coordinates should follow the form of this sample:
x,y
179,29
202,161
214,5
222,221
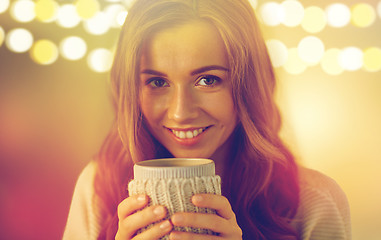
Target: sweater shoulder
x,y
323,211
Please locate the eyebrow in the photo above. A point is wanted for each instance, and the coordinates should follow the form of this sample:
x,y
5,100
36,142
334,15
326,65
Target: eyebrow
x,y
194,72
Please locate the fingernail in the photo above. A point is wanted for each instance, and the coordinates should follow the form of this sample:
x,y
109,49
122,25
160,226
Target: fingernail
x,y
177,218
165,225
174,236
141,198
159,210
197,198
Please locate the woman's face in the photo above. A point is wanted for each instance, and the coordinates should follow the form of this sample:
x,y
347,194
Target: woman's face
x,y
185,93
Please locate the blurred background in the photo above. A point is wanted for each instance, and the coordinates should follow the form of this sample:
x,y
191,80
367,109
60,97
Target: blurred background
x,y
55,106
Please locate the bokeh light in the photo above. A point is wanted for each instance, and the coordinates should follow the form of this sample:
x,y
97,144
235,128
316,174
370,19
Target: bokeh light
x,y
363,15
278,52
294,64
73,48
87,9
338,15
294,13
23,10
19,40
330,62
67,16
98,24
372,59
2,36
121,18
351,58
311,50
314,19
113,12
272,14
44,52
4,4
100,60
379,9
46,10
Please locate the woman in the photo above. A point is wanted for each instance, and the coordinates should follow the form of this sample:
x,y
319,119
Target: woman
x,y
193,79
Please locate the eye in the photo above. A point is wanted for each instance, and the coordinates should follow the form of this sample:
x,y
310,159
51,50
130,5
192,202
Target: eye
x,y
157,82
207,81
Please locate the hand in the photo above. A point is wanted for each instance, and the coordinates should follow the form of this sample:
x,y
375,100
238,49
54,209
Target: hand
x,y
131,220
224,222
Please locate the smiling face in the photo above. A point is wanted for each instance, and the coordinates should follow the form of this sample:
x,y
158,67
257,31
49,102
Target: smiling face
x,y
185,93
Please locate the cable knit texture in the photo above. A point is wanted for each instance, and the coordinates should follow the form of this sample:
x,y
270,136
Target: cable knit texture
x,y
176,193
323,212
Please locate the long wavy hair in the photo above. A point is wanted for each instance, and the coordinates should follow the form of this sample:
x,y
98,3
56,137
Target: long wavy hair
x,y
261,183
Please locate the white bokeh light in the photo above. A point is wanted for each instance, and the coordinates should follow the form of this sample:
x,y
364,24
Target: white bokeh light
x,y
2,36
379,9
351,58
294,64
253,3
112,13
338,15
23,10
121,18
314,19
67,16
19,40
330,62
311,50
4,4
100,60
97,25
73,48
294,13
272,14
278,52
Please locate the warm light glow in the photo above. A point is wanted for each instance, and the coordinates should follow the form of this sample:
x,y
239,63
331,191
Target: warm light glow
x,y
278,52
112,14
294,64
73,48
97,25
87,9
44,52
351,58
68,16
253,3
19,40
4,4
2,36
311,50
372,59
314,19
363,15
379,9
338,15
121,18
46,10
272,14
23,10
330,62
294,13
100,60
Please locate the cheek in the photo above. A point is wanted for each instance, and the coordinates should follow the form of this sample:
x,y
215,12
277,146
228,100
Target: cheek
x,y
221,107
152,107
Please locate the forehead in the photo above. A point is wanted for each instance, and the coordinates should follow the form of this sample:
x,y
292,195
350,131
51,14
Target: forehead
x,y
193,44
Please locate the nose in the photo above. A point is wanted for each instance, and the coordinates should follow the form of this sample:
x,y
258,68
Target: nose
x,y
183,106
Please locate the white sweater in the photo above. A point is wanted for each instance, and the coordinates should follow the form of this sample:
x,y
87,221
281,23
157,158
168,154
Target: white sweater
x,y
323,213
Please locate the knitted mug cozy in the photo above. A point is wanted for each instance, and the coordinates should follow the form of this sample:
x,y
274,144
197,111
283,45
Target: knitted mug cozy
x,y
172,182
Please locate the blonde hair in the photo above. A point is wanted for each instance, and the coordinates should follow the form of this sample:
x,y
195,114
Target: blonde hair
x,y
258,152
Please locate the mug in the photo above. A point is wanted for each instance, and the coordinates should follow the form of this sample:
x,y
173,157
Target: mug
x,y
171,182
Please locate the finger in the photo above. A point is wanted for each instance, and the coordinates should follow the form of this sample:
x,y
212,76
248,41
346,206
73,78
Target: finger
x,y
201,220
156,231
140,219
131,205
191,236
219,203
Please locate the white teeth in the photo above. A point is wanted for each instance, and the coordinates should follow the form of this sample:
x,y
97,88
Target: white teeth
x,y
188,134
